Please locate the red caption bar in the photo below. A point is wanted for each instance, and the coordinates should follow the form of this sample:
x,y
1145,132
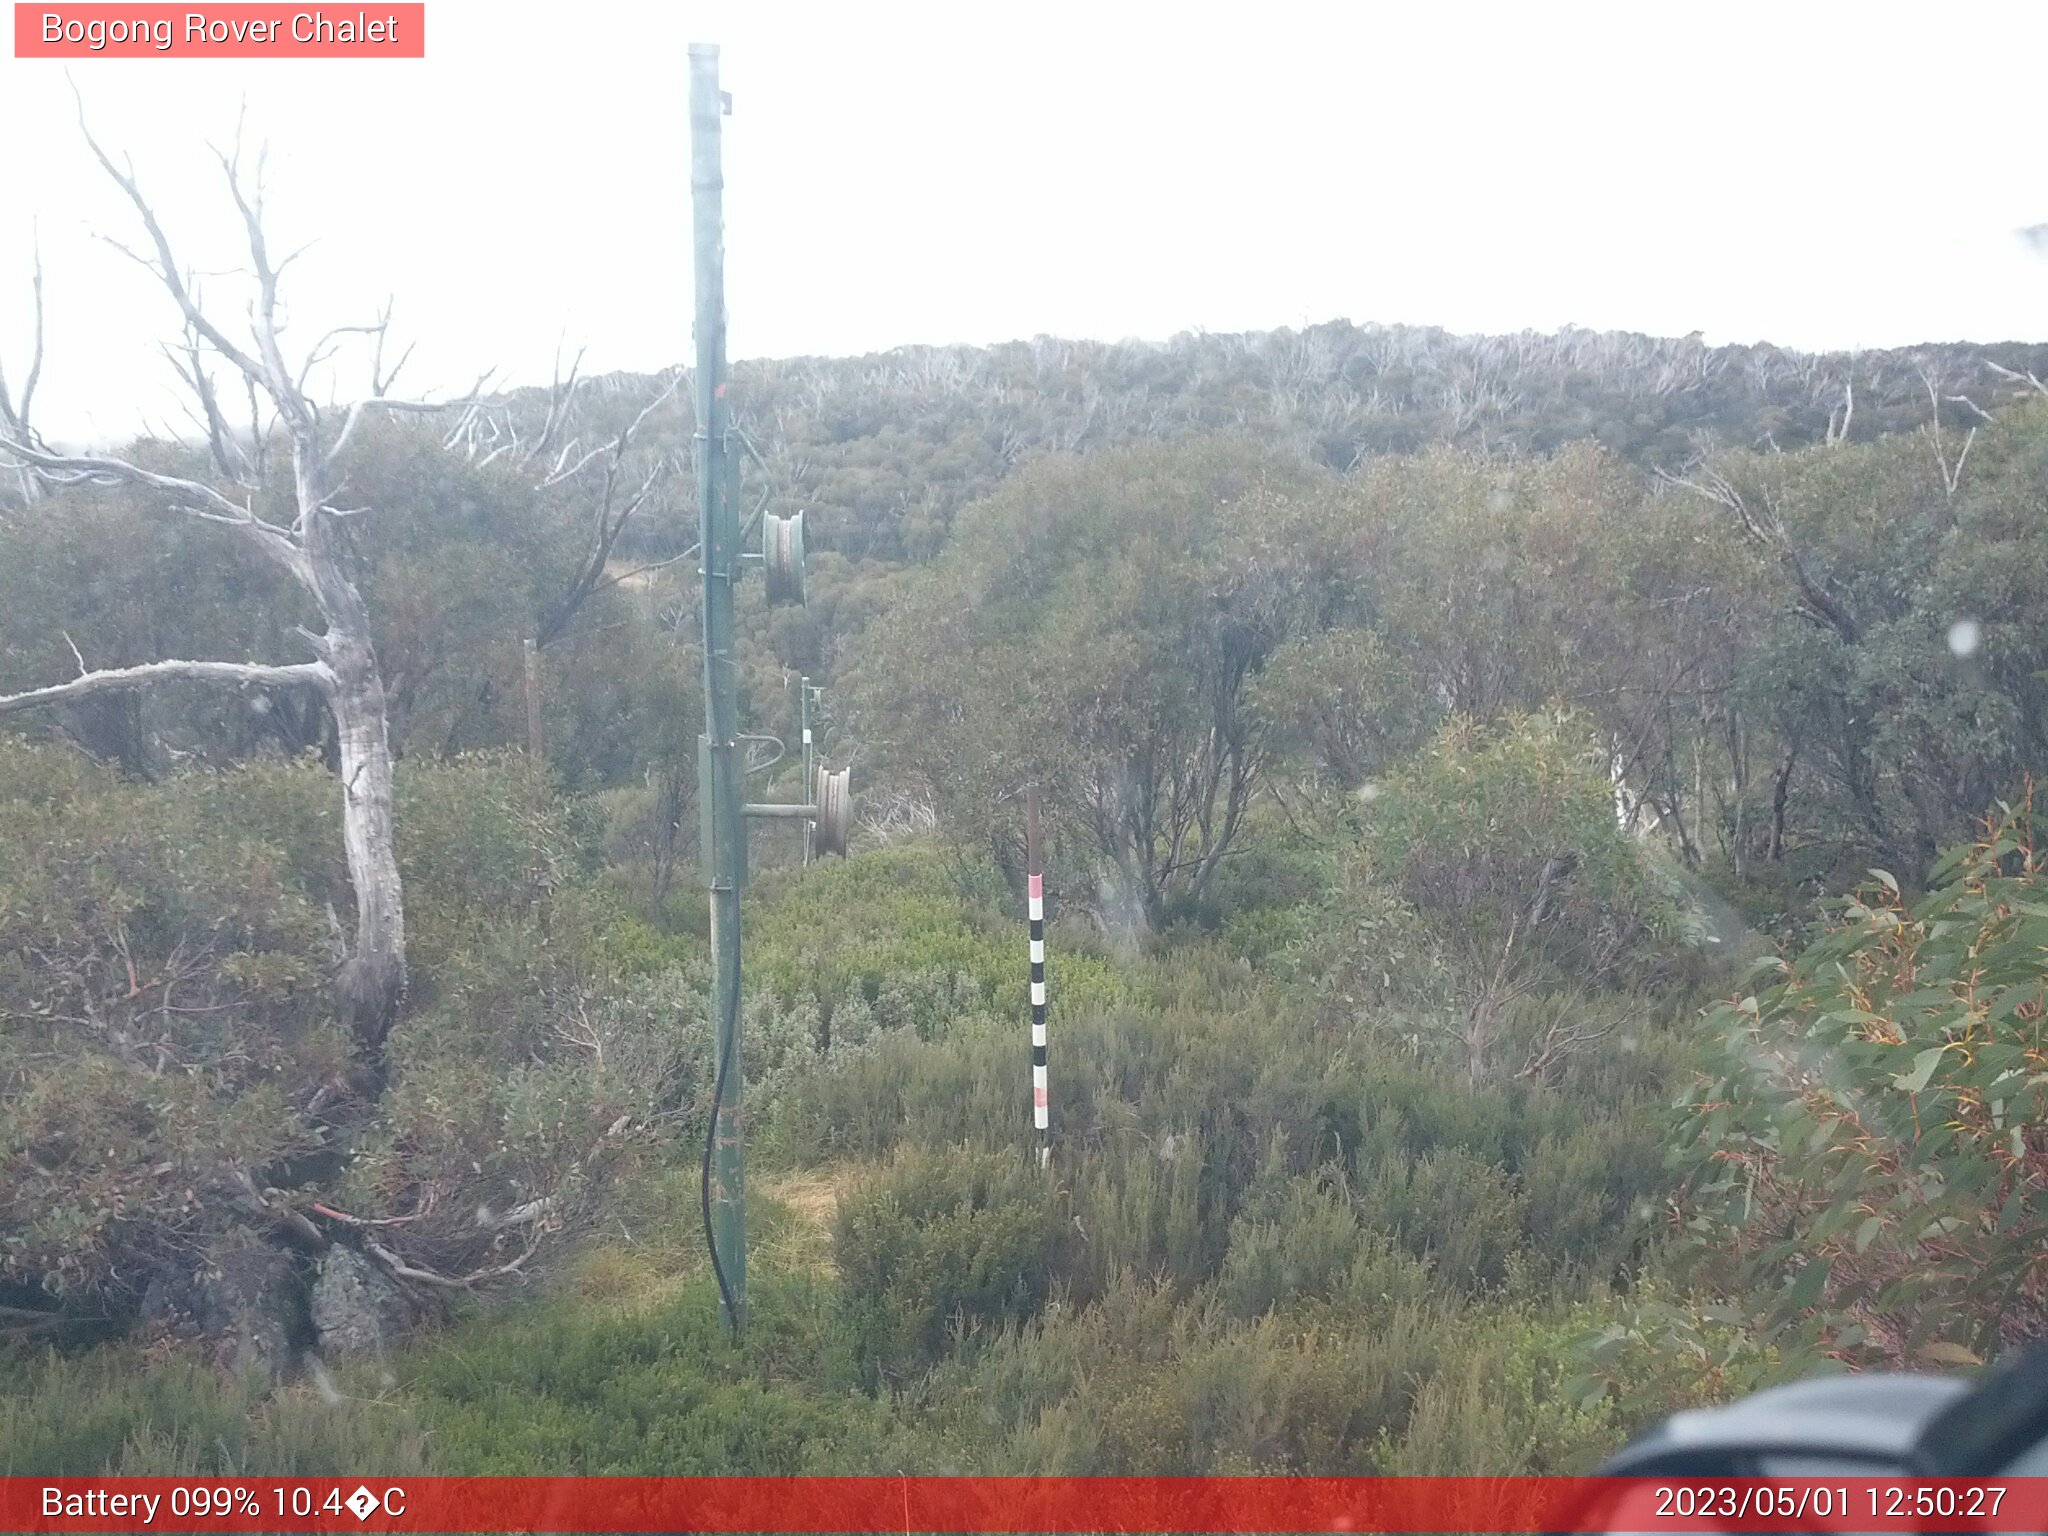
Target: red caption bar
x,y
1201,1505
383,31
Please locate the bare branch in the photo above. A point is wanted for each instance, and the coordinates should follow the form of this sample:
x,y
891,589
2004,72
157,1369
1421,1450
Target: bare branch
x,y
564,470
1951,474
561,394
465,403
220,438
259,435
380,381
365,1221
35,359
608,525
1956,475
192,497
372,979
648,569
1762,522
2017,378
324,348
1763,526
405,1271
166,265
15,416
118,679
295,407
262,1202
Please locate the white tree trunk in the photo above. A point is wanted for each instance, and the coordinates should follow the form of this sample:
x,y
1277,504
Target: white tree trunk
x,y
373,980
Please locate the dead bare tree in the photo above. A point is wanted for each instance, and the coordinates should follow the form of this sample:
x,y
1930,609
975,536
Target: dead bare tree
x,y
302,540
1951,474
555,457
615,508
1838,425
2026,377
1763,524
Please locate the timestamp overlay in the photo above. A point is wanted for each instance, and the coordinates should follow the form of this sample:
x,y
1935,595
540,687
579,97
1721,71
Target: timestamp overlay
x,y
1020,1504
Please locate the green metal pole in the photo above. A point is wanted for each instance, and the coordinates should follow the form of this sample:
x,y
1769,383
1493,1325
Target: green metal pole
x,y
719,778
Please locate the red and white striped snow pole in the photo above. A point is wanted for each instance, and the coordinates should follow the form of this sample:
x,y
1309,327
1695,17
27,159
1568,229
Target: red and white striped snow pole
x,y
1034,879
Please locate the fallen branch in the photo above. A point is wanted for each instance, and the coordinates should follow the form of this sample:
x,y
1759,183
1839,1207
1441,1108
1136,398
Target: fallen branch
x,y
405,1271
363,1221
518,1216
283,1214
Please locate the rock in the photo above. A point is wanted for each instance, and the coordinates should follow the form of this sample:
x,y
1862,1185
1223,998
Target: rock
x,y
245,1300
355,1305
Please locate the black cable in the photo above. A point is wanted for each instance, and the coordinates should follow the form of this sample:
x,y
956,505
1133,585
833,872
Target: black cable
x,y
710,1140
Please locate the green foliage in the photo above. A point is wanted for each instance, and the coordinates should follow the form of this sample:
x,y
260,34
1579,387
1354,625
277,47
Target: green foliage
x,y
1261,1245
163,1008
1301,1240
1868,1147
940,1250
904,939
1491,909
647,1390
1140,1382
117,1413
1657,1350
135,585
549,1045
1893,728
1508,840
1503,1399
1347,699
1094,626
170,1044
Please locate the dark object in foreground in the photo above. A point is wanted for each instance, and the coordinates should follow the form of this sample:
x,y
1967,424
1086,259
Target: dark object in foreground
x,y
1894,1425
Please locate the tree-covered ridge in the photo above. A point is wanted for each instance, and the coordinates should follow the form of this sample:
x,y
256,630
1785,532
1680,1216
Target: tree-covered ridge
x,y
885,449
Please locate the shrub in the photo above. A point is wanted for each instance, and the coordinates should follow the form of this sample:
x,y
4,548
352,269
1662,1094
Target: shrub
x,y
944,1246
1868,1147
164,1010
1463,1215
1303,1243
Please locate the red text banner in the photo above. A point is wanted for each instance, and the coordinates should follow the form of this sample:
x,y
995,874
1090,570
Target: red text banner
x,y
226,31
946,1504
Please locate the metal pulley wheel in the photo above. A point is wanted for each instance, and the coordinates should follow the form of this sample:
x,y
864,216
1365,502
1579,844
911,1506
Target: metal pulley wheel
x,y
782,557
835,811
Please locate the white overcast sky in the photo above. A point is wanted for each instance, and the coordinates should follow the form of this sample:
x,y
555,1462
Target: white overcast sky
x,y
1838,175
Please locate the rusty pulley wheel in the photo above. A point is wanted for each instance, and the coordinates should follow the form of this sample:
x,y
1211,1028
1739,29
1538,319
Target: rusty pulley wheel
x,y
782,557
835,811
